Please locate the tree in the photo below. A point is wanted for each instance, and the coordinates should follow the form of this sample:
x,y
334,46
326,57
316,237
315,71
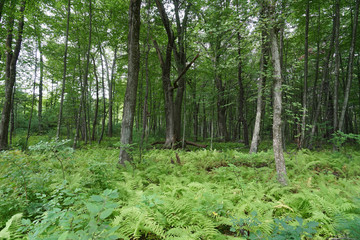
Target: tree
x,y
277,95
132,82
12,55
350,67
64,71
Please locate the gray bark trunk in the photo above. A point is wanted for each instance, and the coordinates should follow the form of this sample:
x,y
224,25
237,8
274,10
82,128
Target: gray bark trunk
x,y
132,82
277,107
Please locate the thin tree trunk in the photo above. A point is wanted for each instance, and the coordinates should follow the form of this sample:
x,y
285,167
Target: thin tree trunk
x,y
242,117
132,82
96,101
111,85
145,107
40,103
322,87
104,100
64,72
277,136
337,64
12,56
304,113
350,67
86,76
259,102
12,116
33,102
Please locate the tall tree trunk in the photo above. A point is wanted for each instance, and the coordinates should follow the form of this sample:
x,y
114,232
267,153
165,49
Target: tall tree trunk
x,y
304,113
132,82
322,87
32,102
12,56
337,64
96,112
242,117
111,85
86,76
180,59
259,102
40,103
104,100
350,67
277,136
146,97
168,89
64,72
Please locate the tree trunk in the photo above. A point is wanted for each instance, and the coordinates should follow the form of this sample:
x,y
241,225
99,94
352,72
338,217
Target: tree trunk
x,y
40,103
242,117
93,137
277,137
132,82
322,87
32,102
86,76
104,100
111,85
170,137
180,59
64,73
350,67
304,113
259,102
10,75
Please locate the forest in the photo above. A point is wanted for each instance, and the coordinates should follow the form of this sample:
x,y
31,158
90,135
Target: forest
x,y
179,119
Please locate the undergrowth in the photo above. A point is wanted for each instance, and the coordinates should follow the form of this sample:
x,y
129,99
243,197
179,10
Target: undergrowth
x,y
206,194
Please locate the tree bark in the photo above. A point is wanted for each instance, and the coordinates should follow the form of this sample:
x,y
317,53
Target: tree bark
x,y
12,56
322,87
32,102
96,112
242,117
111,85
304,113
132,82
277,136
259,102
350,67
64,72
103,97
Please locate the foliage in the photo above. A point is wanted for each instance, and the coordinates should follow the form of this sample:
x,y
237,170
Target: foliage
x,y
211,194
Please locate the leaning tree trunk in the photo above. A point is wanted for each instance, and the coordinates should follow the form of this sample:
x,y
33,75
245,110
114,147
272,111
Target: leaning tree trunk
x,y
132,82
259,103
277,136
350,67
10,75
64,72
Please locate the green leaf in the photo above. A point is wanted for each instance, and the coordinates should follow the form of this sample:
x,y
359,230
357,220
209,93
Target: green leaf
x,y
96,198
63,236
93,208
106,213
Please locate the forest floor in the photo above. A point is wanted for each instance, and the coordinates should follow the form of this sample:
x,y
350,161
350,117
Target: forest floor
x,y
53,192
